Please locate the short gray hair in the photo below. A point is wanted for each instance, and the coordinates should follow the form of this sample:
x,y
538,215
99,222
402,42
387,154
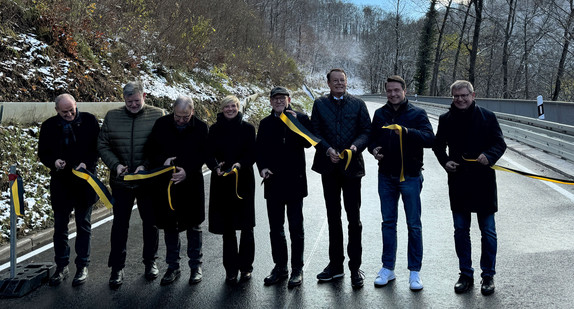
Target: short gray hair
x,y
184,102
62,96
133,87
460,84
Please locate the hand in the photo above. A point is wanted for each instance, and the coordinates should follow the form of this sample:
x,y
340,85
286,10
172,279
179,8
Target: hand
x,y
139,169
168,161
179,175
236,165
60,164
376,152
81,165
451,166
482,159
218,169
121,170
265,173
353,148
333,155
292,112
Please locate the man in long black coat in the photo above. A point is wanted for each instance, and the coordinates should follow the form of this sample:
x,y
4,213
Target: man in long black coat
x,y
281,163
68,141
180,139
475,143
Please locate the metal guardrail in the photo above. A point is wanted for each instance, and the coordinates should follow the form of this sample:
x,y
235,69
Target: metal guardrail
x,y
551,137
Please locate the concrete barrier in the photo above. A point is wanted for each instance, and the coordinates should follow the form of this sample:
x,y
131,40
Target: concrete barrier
x,y
31,112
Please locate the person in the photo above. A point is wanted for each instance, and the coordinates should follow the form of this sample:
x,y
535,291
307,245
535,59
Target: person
x,y
68,141
281,162
399,151
471,133
180,139
231,147
342,122
121,146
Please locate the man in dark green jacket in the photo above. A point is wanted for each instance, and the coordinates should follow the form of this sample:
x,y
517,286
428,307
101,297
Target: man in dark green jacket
x,y
121,142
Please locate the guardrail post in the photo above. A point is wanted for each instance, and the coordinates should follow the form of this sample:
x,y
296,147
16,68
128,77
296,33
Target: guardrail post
x,y
540,105
13,229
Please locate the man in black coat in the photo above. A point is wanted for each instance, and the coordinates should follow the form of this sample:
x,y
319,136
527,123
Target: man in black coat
x,y
281,163
180,139
342,122
475,143
68,141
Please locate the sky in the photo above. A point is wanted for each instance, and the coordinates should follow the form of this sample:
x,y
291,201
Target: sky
x,y
413,8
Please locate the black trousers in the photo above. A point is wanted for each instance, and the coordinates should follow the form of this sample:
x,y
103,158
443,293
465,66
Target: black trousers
x,y
173,246
333,184
124,201
276,215
242,259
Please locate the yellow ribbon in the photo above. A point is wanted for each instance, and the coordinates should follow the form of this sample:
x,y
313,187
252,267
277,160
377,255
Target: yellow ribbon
x,y
510,170
149,174
295,126
17,194
398,127
97,185
236,172
346,153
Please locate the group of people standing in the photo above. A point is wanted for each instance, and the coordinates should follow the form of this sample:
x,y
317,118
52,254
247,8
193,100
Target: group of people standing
x,y
138,139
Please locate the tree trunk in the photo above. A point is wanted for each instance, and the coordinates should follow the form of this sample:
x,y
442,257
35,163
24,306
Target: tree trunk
x,y
505,51
438,53
567,37
460,39
478,5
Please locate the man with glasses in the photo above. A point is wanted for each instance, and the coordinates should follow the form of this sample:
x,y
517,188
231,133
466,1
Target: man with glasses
x,y
399,133
180,140
281,164
475,143
342,122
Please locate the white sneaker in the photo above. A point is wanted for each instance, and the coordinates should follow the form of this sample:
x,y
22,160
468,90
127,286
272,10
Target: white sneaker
x,y
384,276
415,281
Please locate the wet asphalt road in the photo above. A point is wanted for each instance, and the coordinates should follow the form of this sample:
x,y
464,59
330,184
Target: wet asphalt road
x,y
535,226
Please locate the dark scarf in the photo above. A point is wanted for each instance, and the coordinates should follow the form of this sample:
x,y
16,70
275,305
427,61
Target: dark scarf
x,y
68,129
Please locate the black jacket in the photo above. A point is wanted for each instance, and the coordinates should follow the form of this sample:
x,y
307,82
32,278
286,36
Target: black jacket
x,y
340,124
189,147
468,134
419,135
231,141
282,151
81,147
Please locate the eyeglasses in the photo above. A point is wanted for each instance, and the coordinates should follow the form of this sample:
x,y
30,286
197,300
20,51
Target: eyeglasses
x,y
461,96
184,118
279,99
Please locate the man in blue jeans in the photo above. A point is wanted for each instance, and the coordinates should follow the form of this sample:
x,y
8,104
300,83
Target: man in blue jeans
x,y
399,132
475,142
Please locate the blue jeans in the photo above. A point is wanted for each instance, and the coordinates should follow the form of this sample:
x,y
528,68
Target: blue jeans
x,y
173,246
463,247
390,188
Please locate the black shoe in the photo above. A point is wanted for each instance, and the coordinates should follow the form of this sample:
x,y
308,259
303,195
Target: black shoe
x,y
60,275
487,287
151,271
463,284
357,278
245,276
330,273
170,276
277,274
195,276
81,276
296,278
231,278
116,279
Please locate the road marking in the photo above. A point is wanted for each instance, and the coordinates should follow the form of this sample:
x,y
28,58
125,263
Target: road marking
x,y
554,186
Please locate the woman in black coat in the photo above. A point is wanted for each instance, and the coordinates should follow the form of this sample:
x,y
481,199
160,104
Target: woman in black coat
x,y
231,144
180,139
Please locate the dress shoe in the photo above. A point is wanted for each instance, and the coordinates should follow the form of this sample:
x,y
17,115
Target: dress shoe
x,y
357,278
195,276
81,276
245,276
487,286
415,282
296,278
330,272
277,274
464,284
60,275
151,271
231,278
116,279
170,276
384,276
